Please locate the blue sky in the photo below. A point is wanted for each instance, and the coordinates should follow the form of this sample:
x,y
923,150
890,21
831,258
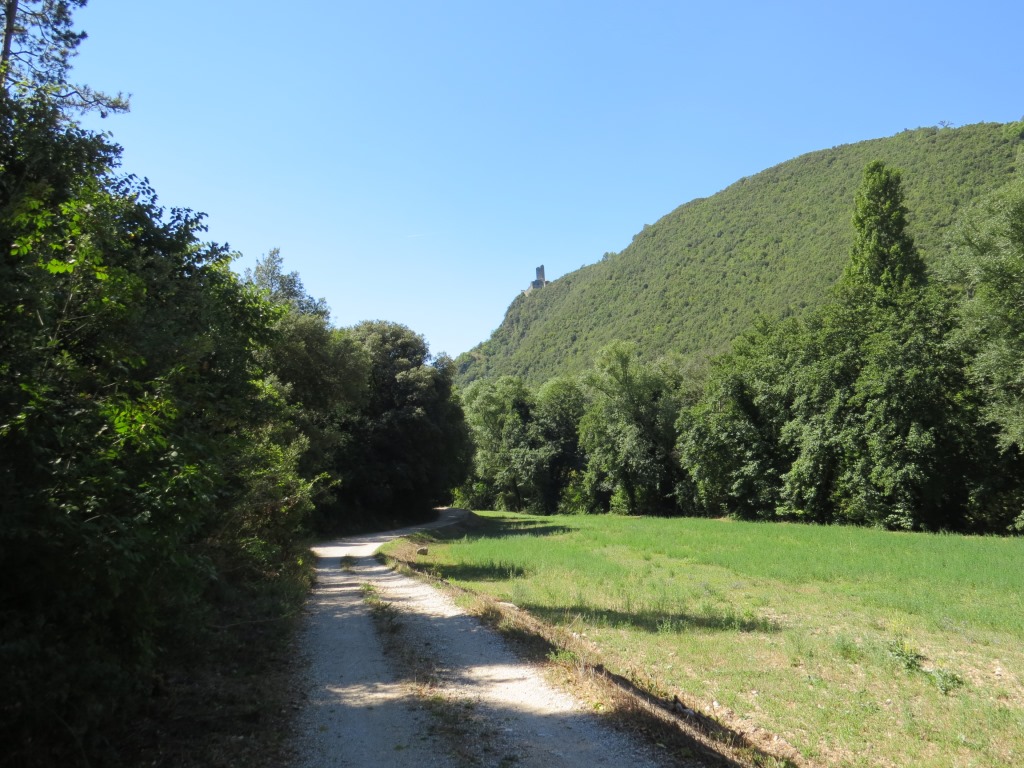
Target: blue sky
x,y
415,161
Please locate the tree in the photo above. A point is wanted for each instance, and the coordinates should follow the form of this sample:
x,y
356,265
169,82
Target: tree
x,y
410,446
321,372
883,256
39,42
135,438
287,289
882,429
628,433
510,459
730,440
561,404
990,265
861,414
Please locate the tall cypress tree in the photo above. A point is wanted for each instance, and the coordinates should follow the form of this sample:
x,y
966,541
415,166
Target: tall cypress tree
x,y
883,255
886,413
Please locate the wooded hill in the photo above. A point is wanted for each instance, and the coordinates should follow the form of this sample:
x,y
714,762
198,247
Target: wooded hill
x,y
771,244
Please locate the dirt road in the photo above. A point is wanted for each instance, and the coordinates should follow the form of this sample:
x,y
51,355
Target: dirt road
x,y
482,706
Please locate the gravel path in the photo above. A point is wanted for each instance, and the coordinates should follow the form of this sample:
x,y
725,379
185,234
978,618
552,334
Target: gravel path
x,y
485,707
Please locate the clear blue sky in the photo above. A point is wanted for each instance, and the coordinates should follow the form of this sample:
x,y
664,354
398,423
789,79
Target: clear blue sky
x,y
415,161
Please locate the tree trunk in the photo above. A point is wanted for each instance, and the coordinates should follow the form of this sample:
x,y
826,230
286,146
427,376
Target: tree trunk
x,y
10,19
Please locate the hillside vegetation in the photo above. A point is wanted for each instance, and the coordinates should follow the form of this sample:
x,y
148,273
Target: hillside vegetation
x,y
770,244
896,402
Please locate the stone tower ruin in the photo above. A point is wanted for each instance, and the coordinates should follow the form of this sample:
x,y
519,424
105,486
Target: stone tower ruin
x,y
540,282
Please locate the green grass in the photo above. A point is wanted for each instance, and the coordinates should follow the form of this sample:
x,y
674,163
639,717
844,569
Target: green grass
x,y
857,646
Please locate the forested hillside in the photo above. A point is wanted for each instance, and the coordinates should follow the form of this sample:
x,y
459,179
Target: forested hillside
x,y
770,244
896,402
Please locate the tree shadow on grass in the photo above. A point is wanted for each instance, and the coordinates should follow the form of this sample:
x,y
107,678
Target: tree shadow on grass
x,y
716,619
505,530
501,528
491,571
671,622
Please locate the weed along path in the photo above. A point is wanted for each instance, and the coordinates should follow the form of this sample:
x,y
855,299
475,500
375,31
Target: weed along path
x,y
398,675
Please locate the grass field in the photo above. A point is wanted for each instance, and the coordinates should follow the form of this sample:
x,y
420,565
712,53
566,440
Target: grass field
x,y
858,647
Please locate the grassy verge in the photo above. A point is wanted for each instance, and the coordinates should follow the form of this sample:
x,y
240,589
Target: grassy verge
x,y
857,647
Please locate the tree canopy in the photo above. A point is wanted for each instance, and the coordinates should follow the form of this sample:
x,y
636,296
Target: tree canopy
x,y
39,41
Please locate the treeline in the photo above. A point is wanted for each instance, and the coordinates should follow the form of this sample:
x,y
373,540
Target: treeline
x,y
377,432
170,432
898,403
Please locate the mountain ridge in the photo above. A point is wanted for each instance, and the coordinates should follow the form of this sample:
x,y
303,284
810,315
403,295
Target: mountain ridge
x,y
768,244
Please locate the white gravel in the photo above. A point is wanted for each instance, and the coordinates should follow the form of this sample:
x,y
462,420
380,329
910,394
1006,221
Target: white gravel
x,y
360,712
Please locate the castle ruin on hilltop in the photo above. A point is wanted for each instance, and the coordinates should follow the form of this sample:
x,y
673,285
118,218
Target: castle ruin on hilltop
x,y
540,282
